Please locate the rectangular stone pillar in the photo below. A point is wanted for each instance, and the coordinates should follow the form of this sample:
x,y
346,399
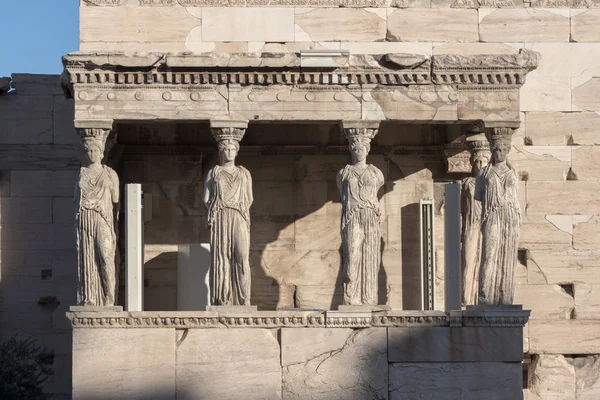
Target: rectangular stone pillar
x,y
193,263
134,248
452,275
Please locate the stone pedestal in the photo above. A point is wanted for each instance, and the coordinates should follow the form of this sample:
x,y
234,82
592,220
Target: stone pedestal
x,y
298,354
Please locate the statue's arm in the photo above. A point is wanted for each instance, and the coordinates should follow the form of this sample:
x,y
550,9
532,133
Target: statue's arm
x,y
115,186
464,207
249,188
208,185
380,178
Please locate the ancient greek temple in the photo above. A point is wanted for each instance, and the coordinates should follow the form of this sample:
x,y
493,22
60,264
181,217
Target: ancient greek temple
x,y
319,200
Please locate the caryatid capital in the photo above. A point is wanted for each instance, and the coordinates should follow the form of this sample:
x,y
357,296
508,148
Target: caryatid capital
x,y
503,135
94,132
228,129
365,130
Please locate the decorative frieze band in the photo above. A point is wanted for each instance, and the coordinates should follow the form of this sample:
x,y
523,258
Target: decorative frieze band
x,y
291,319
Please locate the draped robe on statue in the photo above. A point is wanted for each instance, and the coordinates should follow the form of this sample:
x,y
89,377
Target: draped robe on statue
x,y
229,219
96,238
361,236
471,241
497,191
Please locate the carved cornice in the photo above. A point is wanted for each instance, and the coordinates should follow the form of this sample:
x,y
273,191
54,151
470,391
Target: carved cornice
x,y
260,69
296,319
484,69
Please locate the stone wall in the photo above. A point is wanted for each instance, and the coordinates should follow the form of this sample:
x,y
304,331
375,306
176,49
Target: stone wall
x,y
38,166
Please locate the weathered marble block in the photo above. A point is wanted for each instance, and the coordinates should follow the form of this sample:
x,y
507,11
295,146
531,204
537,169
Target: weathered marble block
x,y
459,381
348,364
123,363
227,364
461,344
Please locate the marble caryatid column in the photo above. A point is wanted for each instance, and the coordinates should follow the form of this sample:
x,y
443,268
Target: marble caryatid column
x,y
96,221
471,221
496,188
359,184
228,196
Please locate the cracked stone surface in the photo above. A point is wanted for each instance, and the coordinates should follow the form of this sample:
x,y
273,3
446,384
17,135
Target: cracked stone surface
x,y
552,377
587,377
458,381
334,365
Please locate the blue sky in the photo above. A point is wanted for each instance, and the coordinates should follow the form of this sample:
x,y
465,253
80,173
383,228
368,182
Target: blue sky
x,y
35,34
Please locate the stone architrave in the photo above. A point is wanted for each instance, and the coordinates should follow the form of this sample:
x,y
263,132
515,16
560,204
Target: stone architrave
x,y
228,197
471,222
96,220
496,188
358,184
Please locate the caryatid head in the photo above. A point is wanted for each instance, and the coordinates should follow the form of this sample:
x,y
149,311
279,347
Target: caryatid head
x,y
500,147
228,139
93,142
480,155
228,150
359,142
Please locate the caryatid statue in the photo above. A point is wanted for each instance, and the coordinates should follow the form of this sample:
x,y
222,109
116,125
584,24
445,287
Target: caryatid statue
x,y
496,188
471,222
97,199
359,184
228,196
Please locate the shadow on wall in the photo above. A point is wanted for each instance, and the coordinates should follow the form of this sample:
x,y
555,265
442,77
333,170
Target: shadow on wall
x,y
295,251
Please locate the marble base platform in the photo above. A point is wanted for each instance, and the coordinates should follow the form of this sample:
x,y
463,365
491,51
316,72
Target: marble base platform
x,y
297,354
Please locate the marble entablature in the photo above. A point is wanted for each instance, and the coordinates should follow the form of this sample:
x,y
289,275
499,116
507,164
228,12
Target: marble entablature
x,y
276,86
